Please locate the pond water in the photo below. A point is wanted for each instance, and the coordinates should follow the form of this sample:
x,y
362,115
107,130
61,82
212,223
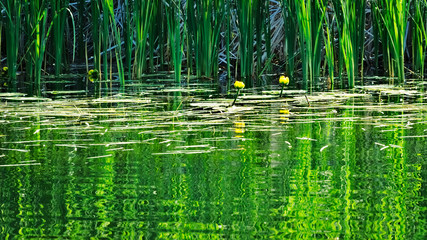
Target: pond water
x,y
180,164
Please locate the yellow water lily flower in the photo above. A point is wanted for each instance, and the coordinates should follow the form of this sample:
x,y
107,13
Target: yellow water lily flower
x,y
239,84
93,75
4,71
284,80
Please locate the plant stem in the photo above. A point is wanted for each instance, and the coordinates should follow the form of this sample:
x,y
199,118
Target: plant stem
x,y
235,98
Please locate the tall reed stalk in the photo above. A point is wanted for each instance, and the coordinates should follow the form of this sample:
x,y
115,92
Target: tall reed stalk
x,y
108,6
143,17
105,40
394,16
96,38
12,31
128,36
204,27
419,36
351,30
58,10
246,38
290,36
228,38
173,16
261,24
39,36
328,40
309,23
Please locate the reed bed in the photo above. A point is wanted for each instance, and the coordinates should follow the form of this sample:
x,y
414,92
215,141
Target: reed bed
x,y
309,40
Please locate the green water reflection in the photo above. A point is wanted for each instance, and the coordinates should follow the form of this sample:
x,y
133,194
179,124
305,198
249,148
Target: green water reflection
x,y
150,170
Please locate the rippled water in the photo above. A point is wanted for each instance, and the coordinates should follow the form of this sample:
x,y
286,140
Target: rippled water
x,y
179,165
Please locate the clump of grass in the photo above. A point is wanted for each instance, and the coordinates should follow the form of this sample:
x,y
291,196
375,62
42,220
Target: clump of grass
x,y
37,22
290,35
58,10
173,16
309,23
393,15
246,36
204,26
418,13
143,18
13,33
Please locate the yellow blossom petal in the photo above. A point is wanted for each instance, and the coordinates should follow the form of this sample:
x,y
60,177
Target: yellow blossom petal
x,y
284,80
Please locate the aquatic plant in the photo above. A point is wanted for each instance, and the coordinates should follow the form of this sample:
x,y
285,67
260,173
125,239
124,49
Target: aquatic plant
x,y
96,37
311,39
309,24
93,75
143,18
290,35
204,26
4,72
246,36
282,82
393,15
39,30
12,22
58,10
418,13
351,35
238,85
173,16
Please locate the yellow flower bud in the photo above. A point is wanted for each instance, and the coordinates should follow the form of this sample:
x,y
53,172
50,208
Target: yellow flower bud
x,y
93,75
284,80
239,84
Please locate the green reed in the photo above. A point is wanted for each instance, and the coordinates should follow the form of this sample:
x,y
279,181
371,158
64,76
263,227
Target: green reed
x,y
328,40
351,27
204,26
12,34
246,37
39,36
394,16
96,38
105,39
143,18
173,16
81,8
418,13
128,37
261,24
290,36
309,23
108,7
58,8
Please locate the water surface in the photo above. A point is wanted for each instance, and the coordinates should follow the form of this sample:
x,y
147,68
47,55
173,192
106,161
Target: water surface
x,y
182,165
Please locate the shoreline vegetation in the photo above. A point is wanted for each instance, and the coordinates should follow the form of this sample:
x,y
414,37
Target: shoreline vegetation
x,y
331,42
